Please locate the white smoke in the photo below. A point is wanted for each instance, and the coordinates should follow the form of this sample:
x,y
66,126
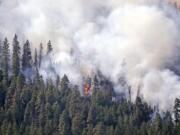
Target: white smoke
x,y
135,39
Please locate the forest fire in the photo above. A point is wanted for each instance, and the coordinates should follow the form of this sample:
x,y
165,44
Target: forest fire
x,y
87,87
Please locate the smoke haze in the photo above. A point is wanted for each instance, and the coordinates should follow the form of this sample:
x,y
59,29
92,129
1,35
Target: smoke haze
x,y
136,40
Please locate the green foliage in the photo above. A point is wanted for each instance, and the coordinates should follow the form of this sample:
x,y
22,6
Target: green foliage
x,y
16,56
5,61
56,107
26,57
99,129
177,111
36,59
40,54
64,124
77,124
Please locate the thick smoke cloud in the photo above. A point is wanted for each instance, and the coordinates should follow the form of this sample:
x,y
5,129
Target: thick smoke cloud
x,y
134,40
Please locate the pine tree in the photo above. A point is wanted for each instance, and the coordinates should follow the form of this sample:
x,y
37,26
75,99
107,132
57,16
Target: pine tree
x,y
89,129
5,61
0,54
77,125
74,103
57,107
26,57
117,131
36,59
177,116
48,127
56,113
177,111
167,124
49,47
64,124
85,131
16,56
57,80
91,118
110,130
40,54
157,125
2,95
64,83
95,83
99,129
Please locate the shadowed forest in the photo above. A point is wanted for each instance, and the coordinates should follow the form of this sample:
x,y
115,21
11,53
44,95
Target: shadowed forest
x,y
33,105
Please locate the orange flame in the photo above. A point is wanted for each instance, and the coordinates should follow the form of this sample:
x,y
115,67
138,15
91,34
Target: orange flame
x,y
87,89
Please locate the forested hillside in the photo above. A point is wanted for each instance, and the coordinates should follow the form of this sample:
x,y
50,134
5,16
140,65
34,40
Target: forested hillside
x,y
33,105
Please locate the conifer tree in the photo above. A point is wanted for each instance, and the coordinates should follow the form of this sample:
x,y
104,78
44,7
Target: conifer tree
x,y
0,54
5,61
64,83
16,56
77,125
56,107
40,54
158,124
177,111
99,129
26,57
49,47
35,59
64,124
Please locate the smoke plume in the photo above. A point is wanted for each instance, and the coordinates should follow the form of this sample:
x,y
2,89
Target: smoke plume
x,y
137,40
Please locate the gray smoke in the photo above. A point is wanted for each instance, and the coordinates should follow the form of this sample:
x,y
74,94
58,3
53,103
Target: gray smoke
x,y
137,40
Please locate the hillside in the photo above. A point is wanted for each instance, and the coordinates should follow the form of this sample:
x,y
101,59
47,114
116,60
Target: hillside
x,y
32,105
89,67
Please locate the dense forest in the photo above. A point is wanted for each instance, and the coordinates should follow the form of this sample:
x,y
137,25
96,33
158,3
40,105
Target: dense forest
x,y
33,105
